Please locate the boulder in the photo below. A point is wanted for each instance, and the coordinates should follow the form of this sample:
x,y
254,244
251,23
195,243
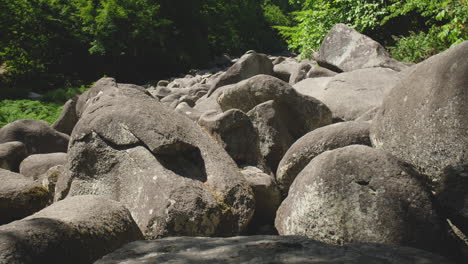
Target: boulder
x,y
263,250
345,49
19,197
270,122
300,72
49,180
98,88
424,119
351,94
267,199
173,177
159,92
261,88
360,194
58,180
249,65
280,114
369,115
184,108
77,230
37,136
317,71
11,155
285,69
162,83
234,131
68,118
315,143
35,165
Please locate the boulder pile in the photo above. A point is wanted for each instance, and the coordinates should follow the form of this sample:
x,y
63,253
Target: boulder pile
x,y
349,157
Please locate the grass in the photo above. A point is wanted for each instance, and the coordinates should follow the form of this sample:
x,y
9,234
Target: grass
x,y
48,109
11,110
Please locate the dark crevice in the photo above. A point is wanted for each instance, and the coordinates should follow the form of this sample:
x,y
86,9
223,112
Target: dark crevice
x,y
363,182
183,159
179,157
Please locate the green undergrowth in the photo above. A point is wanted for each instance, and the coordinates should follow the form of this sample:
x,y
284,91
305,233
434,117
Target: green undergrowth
x,y
11,110
48,109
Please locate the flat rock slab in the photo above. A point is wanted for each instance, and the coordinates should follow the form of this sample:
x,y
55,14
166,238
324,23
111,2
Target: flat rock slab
x,y
262,250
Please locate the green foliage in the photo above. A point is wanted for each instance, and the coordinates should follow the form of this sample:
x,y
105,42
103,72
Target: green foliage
x,y
274,15
56,41
11,110
64,94
447,19
446,23
416,47
317,17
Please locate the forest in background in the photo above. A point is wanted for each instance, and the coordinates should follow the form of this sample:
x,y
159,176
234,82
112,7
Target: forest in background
x,y
54,47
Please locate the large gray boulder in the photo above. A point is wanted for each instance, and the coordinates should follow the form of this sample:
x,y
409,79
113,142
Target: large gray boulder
x,y
103,84
68,118
278,112
285,69
11,155
77,230
270,120
20,196
345,49
424,119
249,65
173,177
316,142
317,72
236,133
263,250
35,165
37,136
309,112
359,194
267,199
351,94
300,72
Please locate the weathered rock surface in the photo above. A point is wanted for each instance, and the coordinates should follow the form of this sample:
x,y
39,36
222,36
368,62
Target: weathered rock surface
x,y
77,230
35,165
285,69
345,49
172,176
20,196
359,194
351,94
369,115
270,121
317,71
267,198
278,112
263,250
316,142
236,134
249,65
424,119
98,88
37,136
261,88
68,118
11,155
300,72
